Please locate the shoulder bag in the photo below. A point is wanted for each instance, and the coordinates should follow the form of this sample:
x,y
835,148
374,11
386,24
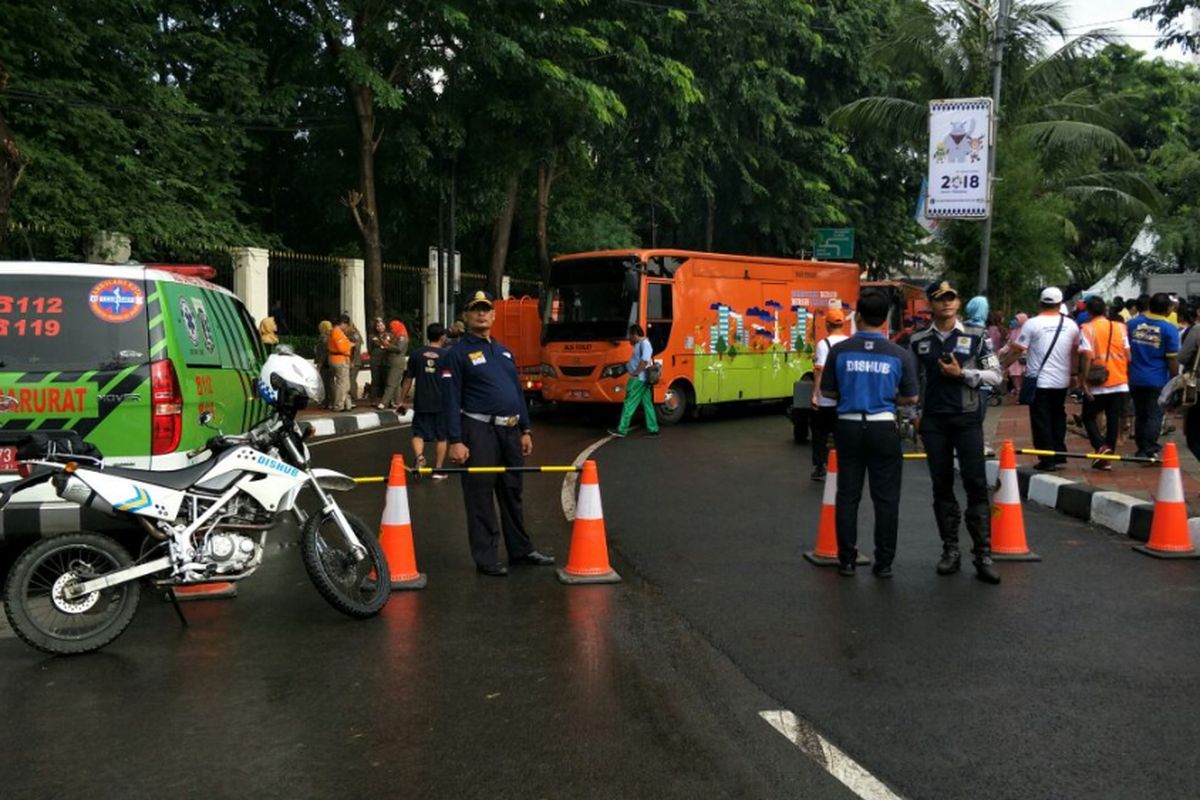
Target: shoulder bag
x,y
1097,374
1181,391
1029,386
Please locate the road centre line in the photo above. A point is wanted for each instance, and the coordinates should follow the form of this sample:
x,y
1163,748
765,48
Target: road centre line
x,y
841,766
567,495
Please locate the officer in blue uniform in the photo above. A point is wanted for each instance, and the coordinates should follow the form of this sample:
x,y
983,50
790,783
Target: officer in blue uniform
x,y
954,359
487,424
869,375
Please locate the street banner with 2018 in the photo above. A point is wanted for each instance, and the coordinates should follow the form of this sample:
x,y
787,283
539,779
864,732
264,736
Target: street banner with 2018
x,y
960,133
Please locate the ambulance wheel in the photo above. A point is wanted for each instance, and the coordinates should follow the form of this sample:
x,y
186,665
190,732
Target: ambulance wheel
x,y
677,404
45,617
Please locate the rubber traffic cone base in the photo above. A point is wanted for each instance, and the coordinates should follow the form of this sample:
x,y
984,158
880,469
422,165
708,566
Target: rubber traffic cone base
x,y
222,590
826,561
1166,554
418,582
1026,556
574,580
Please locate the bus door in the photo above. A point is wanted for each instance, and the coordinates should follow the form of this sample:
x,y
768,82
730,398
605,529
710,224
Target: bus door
x,y
659,313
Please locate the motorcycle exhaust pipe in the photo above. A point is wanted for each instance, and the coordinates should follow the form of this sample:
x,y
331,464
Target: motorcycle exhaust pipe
x,y
81,494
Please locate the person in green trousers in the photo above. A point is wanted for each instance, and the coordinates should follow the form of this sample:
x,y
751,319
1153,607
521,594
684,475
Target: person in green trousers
x,y
637,391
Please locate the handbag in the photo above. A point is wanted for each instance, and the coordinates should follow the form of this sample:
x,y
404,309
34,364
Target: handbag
x,y
1029,386
1097,374
1181,391
653,373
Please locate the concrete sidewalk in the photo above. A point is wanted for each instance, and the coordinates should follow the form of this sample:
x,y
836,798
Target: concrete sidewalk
x,y
364,417
1011,421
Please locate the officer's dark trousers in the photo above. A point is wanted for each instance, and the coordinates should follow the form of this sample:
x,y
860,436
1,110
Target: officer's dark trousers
x,y
868,449
945,435
494,446
823,421
1048,419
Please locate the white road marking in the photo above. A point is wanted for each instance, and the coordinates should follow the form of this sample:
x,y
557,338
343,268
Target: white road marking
x,y
571,479
834,761
344,437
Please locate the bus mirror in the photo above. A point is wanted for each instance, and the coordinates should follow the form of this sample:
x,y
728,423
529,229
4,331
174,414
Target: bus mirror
x,y
632,282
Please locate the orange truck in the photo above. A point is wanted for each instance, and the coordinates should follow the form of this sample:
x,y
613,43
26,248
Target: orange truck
x,y
518,325
725,328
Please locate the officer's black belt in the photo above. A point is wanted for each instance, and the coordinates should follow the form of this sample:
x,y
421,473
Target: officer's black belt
x,y
504,422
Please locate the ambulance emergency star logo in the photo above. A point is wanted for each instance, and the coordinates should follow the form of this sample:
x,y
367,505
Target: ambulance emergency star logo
x,y
116,300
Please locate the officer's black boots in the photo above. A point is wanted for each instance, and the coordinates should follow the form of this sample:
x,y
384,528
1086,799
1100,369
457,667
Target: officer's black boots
x,y
950,562
985,570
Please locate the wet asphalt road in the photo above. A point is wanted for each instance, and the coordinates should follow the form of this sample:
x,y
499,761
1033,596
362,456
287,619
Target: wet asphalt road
x,y
1075,678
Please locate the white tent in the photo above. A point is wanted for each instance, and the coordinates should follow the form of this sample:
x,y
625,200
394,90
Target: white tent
x,y
1111,285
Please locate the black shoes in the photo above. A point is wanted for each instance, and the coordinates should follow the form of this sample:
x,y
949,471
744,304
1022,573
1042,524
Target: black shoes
x,y
535,558
985,570
950,563
818,474
882,571
846,570
492,570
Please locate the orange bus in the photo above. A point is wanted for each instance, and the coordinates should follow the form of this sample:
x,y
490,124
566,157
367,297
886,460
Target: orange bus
x,y
906,300
724,328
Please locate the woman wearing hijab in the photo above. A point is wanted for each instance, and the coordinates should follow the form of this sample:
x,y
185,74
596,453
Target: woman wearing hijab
x,y
321,357
268,333
396,362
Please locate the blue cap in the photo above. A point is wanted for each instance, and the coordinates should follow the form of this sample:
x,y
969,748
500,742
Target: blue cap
x,y
480,298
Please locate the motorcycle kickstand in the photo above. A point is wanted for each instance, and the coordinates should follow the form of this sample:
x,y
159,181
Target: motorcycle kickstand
x,y
178,609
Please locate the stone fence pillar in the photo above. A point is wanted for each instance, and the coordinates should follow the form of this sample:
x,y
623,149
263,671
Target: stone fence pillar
x,y
250,267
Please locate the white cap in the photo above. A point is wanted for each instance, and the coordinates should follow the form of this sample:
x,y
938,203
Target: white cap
x,y
1051,294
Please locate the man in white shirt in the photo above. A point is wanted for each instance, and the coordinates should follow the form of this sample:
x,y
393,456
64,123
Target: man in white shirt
x,y
824,415
1048,342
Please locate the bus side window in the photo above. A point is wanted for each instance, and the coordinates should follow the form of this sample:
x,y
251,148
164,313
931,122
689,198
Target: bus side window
x,y
659,315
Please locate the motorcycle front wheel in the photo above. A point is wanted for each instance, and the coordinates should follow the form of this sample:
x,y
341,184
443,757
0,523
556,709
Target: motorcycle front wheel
x,y
39,609
356,588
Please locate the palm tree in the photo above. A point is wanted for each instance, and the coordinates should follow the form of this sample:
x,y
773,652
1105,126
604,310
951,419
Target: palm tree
x,y
942,50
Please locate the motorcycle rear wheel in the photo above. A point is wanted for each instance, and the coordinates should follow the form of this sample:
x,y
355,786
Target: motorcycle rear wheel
x,y
356,589
41,614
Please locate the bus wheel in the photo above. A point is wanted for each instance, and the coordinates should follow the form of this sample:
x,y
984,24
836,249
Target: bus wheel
x,y
676,404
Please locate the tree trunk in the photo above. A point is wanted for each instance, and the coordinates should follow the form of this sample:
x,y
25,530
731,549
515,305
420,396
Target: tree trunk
x,y
363,203
545,182
710,221
502,232
12,164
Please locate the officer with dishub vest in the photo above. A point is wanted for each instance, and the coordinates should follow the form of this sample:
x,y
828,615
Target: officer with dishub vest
x,y
487,425
954,360
868,376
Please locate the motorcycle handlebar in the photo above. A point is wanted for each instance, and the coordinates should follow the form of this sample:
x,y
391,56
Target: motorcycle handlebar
x,y
258,437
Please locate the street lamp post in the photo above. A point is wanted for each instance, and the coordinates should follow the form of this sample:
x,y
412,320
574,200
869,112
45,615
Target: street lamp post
x,y
998,33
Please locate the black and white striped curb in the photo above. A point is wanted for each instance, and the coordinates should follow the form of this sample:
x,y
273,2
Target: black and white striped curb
x,y
351,422
1116,511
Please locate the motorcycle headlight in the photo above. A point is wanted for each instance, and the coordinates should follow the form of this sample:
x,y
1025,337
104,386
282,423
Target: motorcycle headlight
x,y
546,369
613,371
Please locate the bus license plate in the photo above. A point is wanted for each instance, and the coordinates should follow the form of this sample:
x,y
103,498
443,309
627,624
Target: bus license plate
x,y
8,459
579,394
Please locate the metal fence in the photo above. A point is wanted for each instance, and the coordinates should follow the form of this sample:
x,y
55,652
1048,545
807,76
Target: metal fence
x,y
302,290
402,293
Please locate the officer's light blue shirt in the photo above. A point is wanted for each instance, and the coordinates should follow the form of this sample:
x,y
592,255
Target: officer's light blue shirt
x,y
642,354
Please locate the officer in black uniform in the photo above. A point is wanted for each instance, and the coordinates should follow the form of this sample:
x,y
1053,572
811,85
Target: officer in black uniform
x,y
487,424
954,359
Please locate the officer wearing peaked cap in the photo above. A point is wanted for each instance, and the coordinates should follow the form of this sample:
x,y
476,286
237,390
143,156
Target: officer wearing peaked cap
x,y
953,360
487,424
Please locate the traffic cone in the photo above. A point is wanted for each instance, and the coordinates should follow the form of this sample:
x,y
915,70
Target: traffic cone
x,y
205,591
1008,520
826,552
395,532
588,560
1169,537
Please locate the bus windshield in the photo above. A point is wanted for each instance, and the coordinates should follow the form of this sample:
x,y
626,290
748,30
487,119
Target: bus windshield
x,y
590,299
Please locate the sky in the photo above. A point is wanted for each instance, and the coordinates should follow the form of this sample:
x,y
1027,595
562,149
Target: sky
x,y
1117,14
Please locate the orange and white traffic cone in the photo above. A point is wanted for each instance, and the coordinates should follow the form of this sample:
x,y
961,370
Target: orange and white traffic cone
x,y
395,532
1008,520
205,591
1169,537
825,554
588,559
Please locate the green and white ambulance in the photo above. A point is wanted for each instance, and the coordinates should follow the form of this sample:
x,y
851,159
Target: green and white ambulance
x,y
128,357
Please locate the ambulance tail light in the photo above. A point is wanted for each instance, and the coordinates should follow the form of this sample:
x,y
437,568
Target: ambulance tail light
x,y
166,403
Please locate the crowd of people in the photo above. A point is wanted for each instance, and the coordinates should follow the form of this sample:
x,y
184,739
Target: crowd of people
x,y
1109,356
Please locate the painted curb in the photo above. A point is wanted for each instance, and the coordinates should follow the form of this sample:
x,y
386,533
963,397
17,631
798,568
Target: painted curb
x,y
355,421
1043,489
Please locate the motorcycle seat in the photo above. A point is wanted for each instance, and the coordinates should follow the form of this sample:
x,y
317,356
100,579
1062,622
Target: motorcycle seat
x,y
179,479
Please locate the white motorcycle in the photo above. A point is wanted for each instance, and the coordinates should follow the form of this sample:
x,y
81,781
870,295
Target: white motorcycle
x,y
75,593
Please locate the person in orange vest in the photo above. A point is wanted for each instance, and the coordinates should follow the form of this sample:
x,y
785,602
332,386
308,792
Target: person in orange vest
x,y
1104,373
340,348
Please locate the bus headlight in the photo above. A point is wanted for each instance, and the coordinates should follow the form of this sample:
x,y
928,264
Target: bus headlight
x,y
613,371
546,370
